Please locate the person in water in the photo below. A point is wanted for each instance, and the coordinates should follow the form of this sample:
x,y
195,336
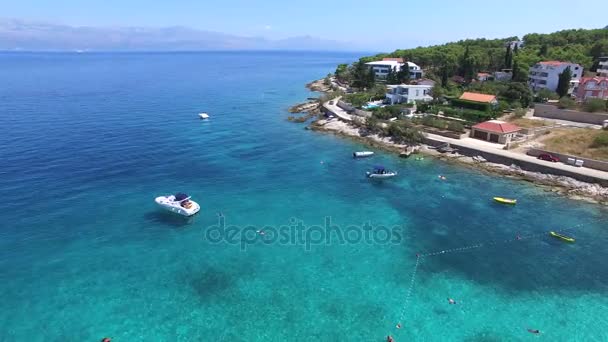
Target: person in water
x,y
106,339
534,331
389,338
451,301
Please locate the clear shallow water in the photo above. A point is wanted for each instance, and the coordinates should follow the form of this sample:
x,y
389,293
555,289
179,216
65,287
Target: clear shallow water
x,y
88,140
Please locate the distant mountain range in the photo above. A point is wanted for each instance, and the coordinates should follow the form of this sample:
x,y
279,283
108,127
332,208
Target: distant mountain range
x,y
35,36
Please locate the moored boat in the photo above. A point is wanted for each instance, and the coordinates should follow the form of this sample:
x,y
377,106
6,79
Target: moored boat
x,y
562,237
203,116
381,172
179,203
363,154
505,200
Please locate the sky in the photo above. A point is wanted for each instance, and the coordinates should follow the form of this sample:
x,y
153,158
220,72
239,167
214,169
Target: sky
x,y
372,24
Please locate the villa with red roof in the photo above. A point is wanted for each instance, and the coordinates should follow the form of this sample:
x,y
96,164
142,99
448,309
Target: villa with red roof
x,y
495,131
546,74
592,87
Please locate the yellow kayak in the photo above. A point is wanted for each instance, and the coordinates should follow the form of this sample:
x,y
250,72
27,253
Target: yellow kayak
x,y
563,237
505,200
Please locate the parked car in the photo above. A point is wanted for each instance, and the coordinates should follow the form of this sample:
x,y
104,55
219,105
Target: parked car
x,y
548,157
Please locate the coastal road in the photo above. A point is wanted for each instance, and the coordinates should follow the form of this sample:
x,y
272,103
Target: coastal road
x,y
482,146
337,111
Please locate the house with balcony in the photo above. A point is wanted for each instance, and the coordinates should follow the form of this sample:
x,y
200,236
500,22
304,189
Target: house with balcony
x,y
408,93
602,69
592,87
546,75
382,68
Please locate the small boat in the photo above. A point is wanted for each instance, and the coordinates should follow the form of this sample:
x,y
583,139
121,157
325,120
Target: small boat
x,y
203,116
380,172
505,200
179,203
363,154
562,237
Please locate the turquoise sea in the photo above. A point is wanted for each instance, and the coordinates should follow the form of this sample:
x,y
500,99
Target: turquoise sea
x,y
88,140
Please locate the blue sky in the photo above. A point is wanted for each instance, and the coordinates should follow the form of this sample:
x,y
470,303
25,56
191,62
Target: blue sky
x,y
372,24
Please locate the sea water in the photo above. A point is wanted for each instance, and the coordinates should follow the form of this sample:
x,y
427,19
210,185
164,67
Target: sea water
x,y
316,250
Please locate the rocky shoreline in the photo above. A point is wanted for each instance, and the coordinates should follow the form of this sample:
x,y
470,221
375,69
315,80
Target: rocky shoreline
x,y
566,186
562,185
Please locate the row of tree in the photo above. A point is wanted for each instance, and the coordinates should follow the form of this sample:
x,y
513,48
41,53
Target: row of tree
x,y
467,57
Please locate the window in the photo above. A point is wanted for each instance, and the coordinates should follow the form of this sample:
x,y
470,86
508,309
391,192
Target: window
x,y
574,75
417,92
575,68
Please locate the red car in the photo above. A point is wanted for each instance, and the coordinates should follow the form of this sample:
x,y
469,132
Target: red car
x,y
548,157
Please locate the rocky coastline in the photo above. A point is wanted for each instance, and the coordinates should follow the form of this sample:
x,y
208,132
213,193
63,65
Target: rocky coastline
x,y
565,186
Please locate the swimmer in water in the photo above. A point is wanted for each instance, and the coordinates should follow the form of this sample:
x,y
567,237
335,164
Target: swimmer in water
x,y
106,339
451,301
389,338
534,331
442,177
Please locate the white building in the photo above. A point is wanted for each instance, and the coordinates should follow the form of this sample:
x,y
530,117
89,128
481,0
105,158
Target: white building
x,y
408,93
381,68
602,69
546,74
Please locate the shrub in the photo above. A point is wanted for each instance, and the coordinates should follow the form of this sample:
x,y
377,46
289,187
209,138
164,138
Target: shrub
x,y
566,102
594,105
601,140
520,113
387,112
358,99
403,132
456,126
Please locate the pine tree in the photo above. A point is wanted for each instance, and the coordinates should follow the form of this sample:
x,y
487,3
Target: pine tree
x,y
391,77
516,49
403,76
563,83
508,57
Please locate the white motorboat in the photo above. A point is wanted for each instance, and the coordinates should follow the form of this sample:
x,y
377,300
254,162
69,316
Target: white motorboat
x,y
203,116
179,203
380,172
363,154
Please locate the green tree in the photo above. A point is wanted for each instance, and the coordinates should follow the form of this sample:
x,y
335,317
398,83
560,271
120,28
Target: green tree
x,y
391,77
403,75
547,94
563,83
519,74
437,91
404,133
544,51
508,57
517,92
363,76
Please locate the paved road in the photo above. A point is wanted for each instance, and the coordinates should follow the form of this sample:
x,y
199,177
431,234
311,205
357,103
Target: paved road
x,y
481,146
337,111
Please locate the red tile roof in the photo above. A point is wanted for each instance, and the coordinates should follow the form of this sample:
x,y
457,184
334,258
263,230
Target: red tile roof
x,y
393,59
497,127
553,63
477,97
597,79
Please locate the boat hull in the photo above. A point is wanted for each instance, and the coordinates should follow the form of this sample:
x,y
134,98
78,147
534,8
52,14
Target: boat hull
x,y
363,154
175,207
505,200
381,176
562,237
